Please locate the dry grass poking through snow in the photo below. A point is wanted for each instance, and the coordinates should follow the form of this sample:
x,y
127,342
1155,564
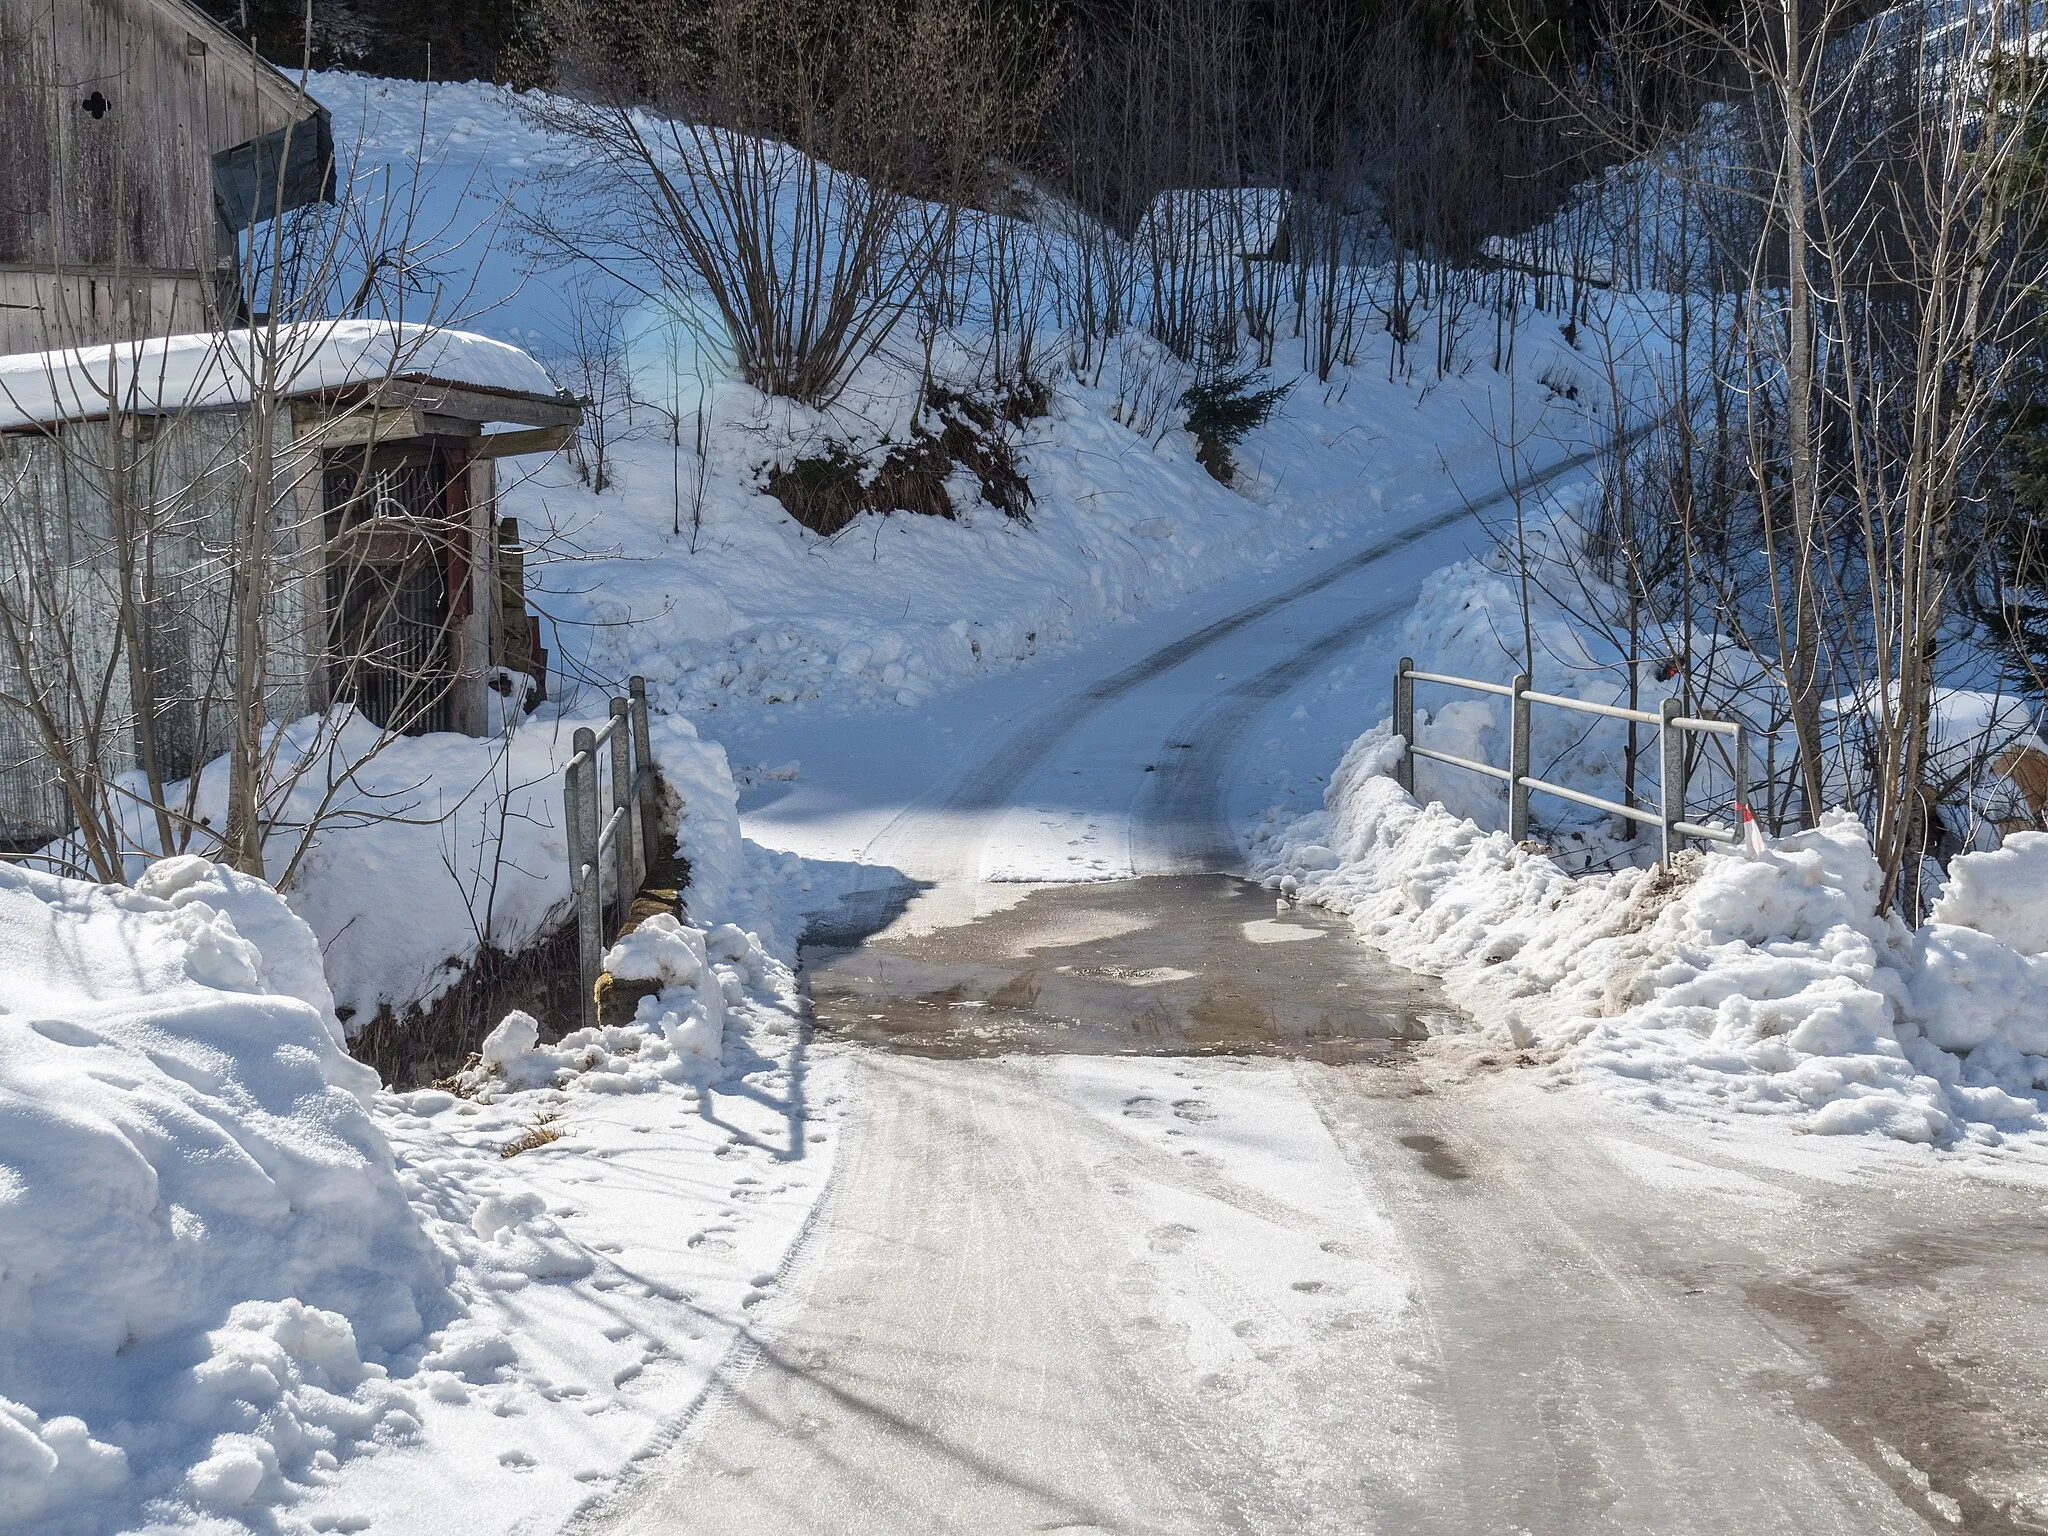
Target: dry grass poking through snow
x,y
544,1130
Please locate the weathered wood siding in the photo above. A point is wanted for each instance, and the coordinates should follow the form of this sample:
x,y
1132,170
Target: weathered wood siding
x,y
40,308
132,188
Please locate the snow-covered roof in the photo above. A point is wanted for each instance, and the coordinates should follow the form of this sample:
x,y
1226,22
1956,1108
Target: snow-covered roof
x,y
219,369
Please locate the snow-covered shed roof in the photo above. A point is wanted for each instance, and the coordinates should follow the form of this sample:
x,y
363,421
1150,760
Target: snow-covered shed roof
x,y
220,370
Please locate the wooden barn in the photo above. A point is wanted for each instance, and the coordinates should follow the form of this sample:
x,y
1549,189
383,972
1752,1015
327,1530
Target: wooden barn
x,y
120,181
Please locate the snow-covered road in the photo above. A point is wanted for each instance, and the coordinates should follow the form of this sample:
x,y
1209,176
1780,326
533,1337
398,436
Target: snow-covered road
x,y
1228,1276
1150,1294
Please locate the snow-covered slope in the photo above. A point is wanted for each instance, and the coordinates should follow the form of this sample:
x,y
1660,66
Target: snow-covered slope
x,y
746,609
743,608
205,1249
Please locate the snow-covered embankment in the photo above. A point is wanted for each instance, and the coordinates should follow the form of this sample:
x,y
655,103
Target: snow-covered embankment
x,y
1738,983
202,1229
231,1265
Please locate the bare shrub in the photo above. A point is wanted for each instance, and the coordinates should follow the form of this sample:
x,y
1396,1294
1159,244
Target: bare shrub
x,y
545,1131
798,162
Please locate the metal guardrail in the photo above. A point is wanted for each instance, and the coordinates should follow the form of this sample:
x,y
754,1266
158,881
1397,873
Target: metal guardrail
x,y
1672,727
628,833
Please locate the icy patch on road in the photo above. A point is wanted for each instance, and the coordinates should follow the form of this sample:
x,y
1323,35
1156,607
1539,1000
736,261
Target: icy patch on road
x,y
1754,985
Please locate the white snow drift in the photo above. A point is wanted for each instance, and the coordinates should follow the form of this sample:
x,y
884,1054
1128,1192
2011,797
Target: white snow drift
x,y
1736,984
202,1231
229,1263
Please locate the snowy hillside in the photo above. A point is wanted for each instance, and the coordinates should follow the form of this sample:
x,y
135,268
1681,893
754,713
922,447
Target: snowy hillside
x,y
689,571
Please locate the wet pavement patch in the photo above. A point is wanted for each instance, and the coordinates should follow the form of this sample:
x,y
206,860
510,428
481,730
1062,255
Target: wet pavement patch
x,y
1436,1157
1174,965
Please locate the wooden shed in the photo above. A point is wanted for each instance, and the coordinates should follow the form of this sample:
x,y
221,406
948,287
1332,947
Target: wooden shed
x,y
392,583
119,120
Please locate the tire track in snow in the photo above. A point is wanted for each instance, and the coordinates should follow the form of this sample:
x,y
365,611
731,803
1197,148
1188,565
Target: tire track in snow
x,y
1183,830
994,782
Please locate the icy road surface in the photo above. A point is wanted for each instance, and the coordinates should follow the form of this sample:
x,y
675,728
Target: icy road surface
x,y
1146,1218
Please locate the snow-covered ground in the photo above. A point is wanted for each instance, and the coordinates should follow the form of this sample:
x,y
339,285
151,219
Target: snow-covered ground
x,y
263,1294
1741,982
232,1267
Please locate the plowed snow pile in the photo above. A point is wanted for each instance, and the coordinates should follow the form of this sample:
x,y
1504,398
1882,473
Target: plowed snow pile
x,y
1756,984
230,1265
205,1251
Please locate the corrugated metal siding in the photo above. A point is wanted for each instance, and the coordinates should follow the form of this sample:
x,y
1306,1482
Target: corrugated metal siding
x,y
60,533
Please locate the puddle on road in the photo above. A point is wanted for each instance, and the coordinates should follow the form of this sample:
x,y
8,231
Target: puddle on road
x,y
1179,965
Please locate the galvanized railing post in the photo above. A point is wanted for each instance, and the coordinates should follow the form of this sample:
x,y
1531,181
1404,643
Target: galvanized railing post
x,y
628,834
1404,722
1671,774
590,872
643,763
572,825
1518,760
1741,766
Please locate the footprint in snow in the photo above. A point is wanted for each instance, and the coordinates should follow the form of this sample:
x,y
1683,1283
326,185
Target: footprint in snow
x,y
1171,1238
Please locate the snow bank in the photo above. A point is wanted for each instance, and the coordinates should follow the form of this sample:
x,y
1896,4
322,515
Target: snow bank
x,y
220,1284
2003,893
676,1035
205,1251
468,831
491,867
1733,984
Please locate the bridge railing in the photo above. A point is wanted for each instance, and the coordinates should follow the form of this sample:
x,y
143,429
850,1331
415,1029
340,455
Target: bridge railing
x,y
608,793
1668,816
